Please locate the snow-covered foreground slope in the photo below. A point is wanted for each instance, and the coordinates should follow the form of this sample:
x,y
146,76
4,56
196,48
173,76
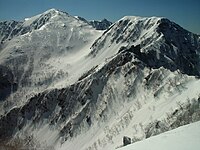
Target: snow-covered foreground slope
x,y
72,87
183,138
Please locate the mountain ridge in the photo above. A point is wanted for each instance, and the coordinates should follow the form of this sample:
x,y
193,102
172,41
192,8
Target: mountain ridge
x,y
162,32
37,21
76,87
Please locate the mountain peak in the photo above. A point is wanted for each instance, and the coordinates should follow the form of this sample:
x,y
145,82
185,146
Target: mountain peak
x,y
82,19
101,25
51,16
104,20
52,10
172,45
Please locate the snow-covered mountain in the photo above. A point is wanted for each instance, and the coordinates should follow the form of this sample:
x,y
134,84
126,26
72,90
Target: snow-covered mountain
x,y
47,53
9,29
70,86
101,25
159,42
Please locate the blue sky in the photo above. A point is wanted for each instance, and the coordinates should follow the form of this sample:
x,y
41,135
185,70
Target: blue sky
x,y
184,12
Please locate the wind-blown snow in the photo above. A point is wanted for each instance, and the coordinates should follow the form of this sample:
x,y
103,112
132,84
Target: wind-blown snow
x,y
129,116
52,55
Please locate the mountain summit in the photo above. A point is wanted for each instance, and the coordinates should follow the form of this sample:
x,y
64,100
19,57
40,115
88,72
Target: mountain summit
x,y
68,83
160,43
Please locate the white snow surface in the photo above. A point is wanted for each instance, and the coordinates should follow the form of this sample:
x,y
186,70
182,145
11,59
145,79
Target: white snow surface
x,y
53,56
183,138
126,117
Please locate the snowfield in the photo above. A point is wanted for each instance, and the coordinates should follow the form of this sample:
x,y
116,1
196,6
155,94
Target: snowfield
x,y
183,138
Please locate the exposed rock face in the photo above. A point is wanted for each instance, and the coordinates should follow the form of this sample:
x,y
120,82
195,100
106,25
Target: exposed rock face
x,y
7,83
126,140
101,25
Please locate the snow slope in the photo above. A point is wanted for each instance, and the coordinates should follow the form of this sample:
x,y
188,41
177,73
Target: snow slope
x,y
183,138
160,41
48,51
126,107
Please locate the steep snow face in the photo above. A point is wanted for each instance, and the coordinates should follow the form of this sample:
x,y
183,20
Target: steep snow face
x,y
10,29
127,31
46,51
160,41
183,138
38,21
